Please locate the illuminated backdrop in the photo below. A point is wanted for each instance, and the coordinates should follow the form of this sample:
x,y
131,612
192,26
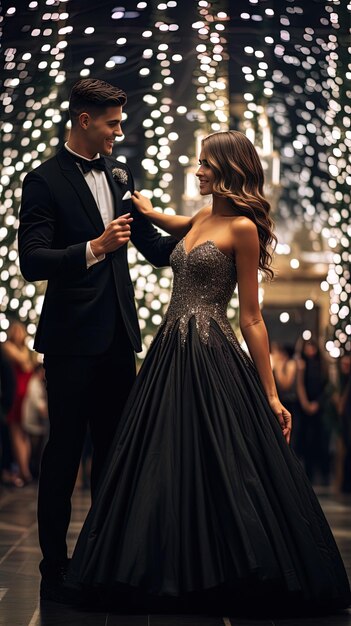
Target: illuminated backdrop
x,y
183,65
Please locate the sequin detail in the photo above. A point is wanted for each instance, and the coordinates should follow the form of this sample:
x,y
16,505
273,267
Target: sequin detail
x,y
204,281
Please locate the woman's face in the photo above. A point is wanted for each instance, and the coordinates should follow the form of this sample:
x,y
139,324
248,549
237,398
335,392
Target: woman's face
x,y
18,335
205,175
345,364
310,350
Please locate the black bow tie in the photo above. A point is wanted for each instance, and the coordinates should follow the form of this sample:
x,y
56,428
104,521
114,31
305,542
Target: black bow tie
x,y
87,166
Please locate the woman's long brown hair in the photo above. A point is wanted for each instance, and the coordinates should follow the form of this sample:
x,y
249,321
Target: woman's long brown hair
x,y
239,177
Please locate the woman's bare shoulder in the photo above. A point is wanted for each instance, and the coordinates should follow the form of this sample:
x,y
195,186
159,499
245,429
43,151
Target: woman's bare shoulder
x,y
243,224
204,212
244,231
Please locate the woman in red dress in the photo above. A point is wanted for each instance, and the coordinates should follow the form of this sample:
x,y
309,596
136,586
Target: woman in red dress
x,y
20,356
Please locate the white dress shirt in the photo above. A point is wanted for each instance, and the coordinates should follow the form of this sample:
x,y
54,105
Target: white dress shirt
x,y
99,187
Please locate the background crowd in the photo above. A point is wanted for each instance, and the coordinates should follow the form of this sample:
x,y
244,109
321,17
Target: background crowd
x,y
318,394
24,423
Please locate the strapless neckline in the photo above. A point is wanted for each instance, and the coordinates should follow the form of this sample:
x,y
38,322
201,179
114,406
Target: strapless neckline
x,y
203,243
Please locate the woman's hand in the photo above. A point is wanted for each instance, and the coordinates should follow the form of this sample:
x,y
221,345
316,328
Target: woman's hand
x,y
311,408
142,203
283,416
176,225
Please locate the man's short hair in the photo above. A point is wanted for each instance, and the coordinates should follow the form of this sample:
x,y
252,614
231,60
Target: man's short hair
x,y
93,96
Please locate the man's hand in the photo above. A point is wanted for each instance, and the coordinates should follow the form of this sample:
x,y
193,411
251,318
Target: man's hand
x,y
116,234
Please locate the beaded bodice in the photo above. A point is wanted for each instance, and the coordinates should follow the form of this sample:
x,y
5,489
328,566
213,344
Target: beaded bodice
x,y
204,281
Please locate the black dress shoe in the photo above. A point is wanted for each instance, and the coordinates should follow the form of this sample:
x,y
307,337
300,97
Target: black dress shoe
x,y
52,586
54,591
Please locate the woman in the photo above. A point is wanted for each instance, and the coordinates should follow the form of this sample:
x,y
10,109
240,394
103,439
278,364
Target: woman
x,y
35,420
342,400
284,367
19,355
313,397
7,395
202,500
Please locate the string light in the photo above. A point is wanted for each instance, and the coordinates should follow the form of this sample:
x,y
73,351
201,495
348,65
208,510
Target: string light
x,y
26,109
294,75
309,109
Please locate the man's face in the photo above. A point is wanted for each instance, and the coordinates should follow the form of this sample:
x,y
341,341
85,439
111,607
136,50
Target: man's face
x,y
101,130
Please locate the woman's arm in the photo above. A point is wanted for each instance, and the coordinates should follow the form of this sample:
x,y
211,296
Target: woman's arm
x,y
253,328
18,356
300,387
176,225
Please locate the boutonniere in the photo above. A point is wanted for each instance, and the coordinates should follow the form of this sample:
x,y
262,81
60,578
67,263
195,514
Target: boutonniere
x,y
120,175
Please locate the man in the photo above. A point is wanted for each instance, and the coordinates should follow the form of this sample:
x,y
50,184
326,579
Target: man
x,y
74,229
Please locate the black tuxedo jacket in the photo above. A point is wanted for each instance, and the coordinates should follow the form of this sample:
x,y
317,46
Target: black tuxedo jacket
x,y
58,216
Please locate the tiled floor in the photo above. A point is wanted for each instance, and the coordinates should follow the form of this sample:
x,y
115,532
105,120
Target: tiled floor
x,y
19,576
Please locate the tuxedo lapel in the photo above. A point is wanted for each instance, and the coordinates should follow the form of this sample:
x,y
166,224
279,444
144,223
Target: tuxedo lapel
x,y
116,188
71,172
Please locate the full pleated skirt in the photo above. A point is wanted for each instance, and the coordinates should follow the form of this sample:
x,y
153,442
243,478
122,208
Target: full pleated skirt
x,y
201,492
